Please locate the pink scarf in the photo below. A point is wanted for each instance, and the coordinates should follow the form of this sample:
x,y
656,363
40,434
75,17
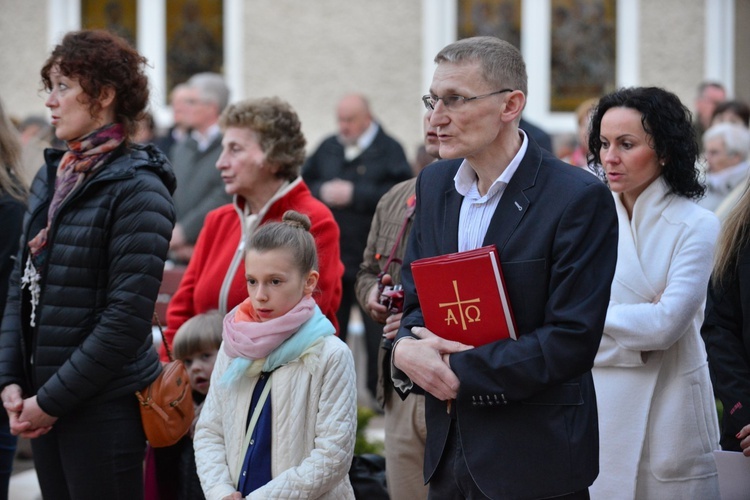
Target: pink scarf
x,y
246,337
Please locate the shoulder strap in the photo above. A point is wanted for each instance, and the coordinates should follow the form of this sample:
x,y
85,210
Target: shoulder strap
x,y
163,338
253,422
411,203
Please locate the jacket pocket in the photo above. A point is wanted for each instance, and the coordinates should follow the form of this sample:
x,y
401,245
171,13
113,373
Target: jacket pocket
x,y
680,434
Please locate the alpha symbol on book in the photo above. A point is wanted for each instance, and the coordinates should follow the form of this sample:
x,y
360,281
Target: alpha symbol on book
x,y
468,312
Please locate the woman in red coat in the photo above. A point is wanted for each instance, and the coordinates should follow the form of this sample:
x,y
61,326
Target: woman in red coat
x,y
263,150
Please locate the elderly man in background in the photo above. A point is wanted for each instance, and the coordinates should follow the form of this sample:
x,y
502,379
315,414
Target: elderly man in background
x,y
199,186
180,97
350,172
709,95
726,147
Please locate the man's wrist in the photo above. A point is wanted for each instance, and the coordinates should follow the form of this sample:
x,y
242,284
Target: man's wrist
x,y
400,380
398,341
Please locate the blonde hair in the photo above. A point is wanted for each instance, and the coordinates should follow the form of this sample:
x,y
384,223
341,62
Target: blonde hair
x,y
584,109
735,232
200,333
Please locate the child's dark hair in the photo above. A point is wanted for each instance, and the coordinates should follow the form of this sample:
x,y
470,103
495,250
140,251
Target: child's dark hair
x,y
200,333
292,233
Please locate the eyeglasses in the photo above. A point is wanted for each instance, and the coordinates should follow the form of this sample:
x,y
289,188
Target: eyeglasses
x,y
453,101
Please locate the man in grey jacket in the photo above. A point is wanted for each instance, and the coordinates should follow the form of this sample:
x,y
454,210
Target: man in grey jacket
x,y
199,185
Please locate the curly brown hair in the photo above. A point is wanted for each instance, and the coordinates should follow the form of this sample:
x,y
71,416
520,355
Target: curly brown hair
x,y
278,129
99,59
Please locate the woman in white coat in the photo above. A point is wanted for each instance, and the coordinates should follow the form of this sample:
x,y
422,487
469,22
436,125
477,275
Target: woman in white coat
x,y
657,417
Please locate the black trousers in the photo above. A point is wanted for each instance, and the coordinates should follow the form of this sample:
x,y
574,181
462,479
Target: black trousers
x,y
452,480
92,453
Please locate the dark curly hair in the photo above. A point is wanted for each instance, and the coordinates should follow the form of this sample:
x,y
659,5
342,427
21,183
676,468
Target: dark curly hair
x,y
667,123
99,59
278,128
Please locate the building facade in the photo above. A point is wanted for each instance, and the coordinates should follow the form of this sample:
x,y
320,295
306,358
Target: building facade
x,y
311,53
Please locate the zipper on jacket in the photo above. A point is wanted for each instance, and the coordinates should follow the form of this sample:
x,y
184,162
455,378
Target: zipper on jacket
x,y
50,245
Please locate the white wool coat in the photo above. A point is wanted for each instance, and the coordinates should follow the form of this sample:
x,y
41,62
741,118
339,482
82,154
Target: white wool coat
x,y
313,401
654,393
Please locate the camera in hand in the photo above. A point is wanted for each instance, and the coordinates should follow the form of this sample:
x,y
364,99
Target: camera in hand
x,y
392,297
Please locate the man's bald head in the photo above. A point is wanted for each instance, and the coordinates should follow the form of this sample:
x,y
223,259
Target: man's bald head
x,y
354,117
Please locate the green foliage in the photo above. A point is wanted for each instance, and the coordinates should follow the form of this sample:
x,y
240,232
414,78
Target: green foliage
x,y
362,445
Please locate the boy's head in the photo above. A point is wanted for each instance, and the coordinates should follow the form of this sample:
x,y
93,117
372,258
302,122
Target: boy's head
x,y
196,343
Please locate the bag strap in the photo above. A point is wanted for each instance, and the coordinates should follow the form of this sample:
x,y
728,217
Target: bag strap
x,y
253,422
411,203
163,338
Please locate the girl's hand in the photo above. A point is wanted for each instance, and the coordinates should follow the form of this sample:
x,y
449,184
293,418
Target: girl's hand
x,y
234,496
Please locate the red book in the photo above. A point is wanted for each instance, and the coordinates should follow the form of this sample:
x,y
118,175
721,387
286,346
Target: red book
x,y
463,296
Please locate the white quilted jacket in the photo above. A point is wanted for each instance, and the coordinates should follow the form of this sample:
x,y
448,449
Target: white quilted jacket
x,y
313,400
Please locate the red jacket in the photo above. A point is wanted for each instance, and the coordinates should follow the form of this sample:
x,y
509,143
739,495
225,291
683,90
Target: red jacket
x,y
219,242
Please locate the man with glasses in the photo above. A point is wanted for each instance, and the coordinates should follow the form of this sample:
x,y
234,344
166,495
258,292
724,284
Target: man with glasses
x,y
512,418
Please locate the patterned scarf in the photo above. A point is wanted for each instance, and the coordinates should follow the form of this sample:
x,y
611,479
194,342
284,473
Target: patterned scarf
x,y
273,343
84,157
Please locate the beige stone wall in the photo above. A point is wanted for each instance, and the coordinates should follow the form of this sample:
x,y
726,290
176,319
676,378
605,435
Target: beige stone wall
x,y
23,50
672,46
742,50
311,53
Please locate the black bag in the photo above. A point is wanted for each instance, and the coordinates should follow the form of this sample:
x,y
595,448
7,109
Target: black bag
x,y
367,475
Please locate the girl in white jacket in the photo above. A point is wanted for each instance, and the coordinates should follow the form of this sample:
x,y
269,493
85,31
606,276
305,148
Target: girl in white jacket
x,y
280,417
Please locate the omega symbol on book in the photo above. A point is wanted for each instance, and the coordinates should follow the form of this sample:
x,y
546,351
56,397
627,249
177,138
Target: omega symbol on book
x,y
467,313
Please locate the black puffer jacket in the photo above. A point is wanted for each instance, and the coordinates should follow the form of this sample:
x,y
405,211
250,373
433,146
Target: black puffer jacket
x,y
106,251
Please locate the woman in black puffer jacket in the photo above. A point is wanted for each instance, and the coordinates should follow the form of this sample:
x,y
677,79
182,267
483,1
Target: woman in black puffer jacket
x,y
75,342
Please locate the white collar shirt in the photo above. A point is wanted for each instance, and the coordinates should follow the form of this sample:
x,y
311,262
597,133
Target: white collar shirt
x,y
477,210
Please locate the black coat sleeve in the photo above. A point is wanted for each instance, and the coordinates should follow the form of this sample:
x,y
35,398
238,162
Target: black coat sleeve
x,y
726,333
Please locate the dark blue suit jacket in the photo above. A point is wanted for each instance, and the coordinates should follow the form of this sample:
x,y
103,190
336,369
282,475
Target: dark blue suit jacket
x,y
526,409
